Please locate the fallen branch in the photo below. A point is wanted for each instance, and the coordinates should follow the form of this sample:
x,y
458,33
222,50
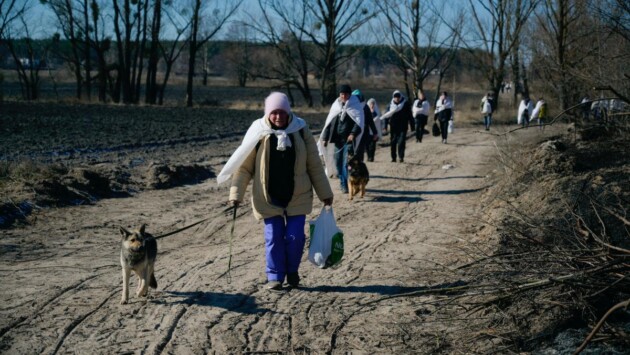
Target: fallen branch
x,y
623,304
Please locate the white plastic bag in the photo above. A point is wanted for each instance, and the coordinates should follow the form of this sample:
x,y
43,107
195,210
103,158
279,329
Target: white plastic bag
x,y
450,127
326,247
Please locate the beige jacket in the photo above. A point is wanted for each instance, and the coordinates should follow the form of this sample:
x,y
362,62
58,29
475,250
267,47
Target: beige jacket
x,y
309,174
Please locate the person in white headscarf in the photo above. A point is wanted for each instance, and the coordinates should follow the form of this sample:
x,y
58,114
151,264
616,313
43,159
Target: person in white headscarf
x,y
343,128
400,117
444,113
280,155
420,112
525,108
540,113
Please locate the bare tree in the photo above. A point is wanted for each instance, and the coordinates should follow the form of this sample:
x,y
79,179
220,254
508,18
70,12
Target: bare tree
x,y
67,13
10,10
496,29
282,27
330,23
202,32
607,69
130,29
29,57
101,44
416,36
154,54
239,53
563,30
171,50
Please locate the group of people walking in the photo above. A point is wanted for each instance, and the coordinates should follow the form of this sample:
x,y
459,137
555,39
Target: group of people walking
x,y
280,155
527,112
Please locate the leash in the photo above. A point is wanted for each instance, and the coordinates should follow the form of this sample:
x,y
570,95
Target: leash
x,y
181,229
228,274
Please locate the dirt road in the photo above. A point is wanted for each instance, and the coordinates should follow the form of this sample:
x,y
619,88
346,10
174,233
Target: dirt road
x,y
61,279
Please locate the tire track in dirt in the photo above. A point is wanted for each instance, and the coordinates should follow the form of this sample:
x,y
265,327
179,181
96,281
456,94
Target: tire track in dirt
x,y
75,323
39,309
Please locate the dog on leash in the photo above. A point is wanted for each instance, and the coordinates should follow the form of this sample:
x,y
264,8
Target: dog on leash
x,y
359,177
138,253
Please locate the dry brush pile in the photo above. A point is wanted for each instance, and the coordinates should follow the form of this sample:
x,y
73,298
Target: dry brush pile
x,y
551,256
564,242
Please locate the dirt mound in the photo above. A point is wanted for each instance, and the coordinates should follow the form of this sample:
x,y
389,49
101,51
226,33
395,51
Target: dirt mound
x,y
60,187
161,176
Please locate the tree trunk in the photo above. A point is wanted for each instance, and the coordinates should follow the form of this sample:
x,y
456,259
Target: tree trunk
x,y
192,50
156,23
88,66
75,50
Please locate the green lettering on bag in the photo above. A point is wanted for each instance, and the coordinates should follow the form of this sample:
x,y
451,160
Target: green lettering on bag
x,y
336,252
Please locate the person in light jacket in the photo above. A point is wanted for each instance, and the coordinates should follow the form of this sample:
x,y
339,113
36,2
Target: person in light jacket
x,y
487,108
280,156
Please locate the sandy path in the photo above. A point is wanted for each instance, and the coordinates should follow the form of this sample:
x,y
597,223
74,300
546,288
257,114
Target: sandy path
x,y
61,280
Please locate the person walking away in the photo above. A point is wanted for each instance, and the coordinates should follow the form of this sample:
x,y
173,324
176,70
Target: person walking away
x,y
487,108
400,117
525,108
444,113
540,113
279,155
370,135
344,128
420,111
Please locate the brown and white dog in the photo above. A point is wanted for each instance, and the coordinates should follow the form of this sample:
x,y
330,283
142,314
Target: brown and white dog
x,y
138,253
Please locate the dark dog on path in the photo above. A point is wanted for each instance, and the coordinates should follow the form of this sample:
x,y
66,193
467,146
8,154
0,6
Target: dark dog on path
x,y
138,253
359,177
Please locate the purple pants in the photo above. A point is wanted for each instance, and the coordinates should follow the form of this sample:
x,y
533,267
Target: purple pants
x,y
284,244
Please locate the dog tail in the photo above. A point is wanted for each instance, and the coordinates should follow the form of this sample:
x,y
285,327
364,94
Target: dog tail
x,y
153,281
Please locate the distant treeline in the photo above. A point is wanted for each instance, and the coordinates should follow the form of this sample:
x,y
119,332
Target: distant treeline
x,y
118,50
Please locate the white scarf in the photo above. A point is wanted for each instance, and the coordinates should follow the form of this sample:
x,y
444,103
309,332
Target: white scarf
x,y
537,109
394,107
352,108
259,129
521,108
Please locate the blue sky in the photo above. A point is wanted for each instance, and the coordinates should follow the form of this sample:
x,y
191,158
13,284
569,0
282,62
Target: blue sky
x,y
42,22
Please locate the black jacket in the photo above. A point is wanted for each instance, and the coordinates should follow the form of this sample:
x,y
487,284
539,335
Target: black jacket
x,y
338,131
402,119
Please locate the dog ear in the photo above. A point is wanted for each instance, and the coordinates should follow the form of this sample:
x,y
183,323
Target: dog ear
x,y
123,232
142,228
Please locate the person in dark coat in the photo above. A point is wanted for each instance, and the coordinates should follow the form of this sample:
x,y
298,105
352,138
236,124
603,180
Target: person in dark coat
x,y
400,119
444,113
343,128
370,135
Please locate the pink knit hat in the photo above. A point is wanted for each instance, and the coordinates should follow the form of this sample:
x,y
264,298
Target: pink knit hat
x,y
277,101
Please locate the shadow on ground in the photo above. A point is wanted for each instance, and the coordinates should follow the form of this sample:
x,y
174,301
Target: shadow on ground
x,y
241,303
